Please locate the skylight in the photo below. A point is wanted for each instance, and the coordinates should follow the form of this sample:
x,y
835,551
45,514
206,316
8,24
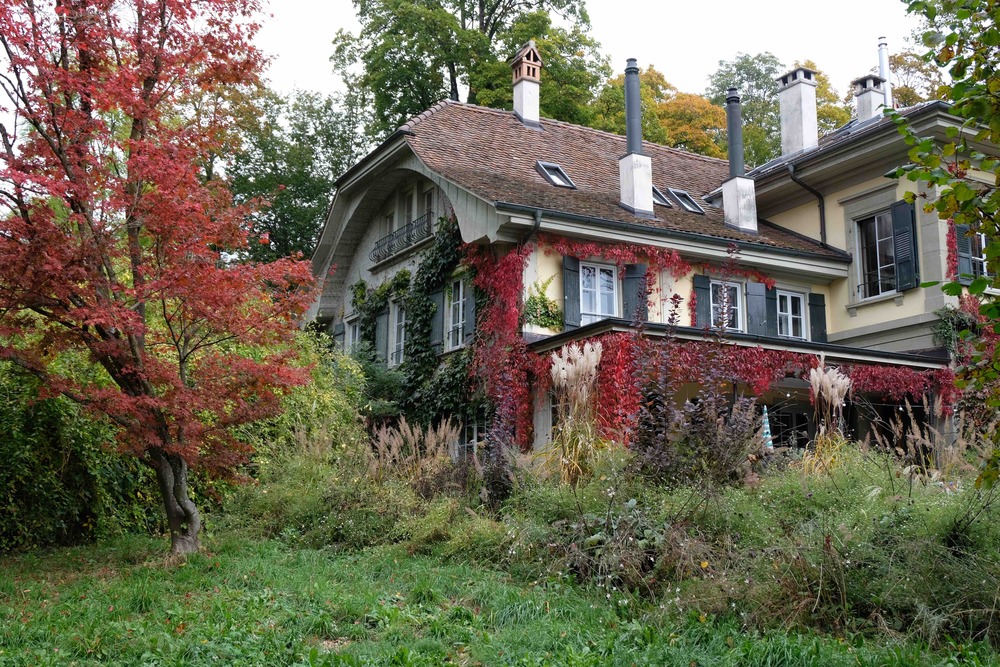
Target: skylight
x,y
686,201
660,198
554,174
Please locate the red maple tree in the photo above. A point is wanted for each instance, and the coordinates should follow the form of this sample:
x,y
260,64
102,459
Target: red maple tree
x,y
114,244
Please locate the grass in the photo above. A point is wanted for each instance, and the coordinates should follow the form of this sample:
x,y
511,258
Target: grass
x,y
266,602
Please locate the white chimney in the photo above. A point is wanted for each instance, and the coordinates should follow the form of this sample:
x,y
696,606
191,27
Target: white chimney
x,y
635,170
883,70
870,94
739,200
527,69
797,104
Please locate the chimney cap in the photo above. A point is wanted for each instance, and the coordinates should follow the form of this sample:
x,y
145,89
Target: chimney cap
x,y
631,66
527,63
732,95
866,83
797,75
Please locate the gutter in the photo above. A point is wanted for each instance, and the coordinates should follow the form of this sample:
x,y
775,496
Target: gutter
x,y
840,353
646,229
822,203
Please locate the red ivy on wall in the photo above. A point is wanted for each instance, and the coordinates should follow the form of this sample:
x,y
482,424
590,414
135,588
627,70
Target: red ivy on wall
x,y
952,259
898,383
620,254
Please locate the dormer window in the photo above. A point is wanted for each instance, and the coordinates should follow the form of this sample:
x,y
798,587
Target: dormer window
x,y
660,198
686,201
554,174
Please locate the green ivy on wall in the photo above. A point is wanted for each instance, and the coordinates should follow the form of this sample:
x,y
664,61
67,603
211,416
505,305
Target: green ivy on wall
x,y
539,309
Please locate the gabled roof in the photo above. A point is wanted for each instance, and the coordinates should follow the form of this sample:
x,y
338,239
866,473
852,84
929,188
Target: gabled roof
x,y
491,154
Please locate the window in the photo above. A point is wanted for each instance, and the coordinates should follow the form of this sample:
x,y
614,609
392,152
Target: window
x,y
456,315
686,201
554,174
727,312
352,336
979,263
598,292
791,315
878,256
473,432
407,208
660,198
398,342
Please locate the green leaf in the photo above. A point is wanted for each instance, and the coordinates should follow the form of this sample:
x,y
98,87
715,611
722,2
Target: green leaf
x,y
978,286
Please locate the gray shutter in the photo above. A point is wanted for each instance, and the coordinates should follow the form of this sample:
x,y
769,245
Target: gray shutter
x,y
382,336
338,335
964,254
904,241
634,297
469,333
817,318
702,301
437,320
771,306
757,309
571,292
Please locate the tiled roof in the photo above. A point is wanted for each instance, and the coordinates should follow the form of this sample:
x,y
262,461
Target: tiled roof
x,y
493,155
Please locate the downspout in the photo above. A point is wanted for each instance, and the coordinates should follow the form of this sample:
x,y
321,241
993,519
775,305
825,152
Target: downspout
x,y
822,203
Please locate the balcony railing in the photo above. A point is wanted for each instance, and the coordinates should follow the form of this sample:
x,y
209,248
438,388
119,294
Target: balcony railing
x,y
402,238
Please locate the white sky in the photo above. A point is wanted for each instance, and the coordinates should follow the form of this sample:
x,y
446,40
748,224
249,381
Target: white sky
x,y
684,40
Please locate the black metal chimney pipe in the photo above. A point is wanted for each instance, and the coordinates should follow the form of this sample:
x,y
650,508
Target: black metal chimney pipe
x,y
734,127
633,108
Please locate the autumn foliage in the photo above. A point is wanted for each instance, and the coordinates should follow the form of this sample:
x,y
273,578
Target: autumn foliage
x,y
114,245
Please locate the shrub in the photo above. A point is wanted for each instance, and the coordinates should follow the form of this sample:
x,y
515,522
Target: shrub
x,y
62,481
419,456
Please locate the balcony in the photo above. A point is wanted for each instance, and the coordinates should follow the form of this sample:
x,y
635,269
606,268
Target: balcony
x,y
403,238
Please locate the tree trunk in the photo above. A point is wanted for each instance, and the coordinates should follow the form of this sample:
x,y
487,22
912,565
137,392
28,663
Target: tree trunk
x,y
182,514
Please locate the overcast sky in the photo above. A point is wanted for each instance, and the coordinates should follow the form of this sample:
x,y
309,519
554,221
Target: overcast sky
x,y
684,40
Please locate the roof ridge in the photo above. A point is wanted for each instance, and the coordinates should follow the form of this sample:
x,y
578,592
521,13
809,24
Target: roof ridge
x,y
437,106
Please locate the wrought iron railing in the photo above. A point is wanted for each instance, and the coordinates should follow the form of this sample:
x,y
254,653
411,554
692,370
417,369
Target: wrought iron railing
x,y
402,238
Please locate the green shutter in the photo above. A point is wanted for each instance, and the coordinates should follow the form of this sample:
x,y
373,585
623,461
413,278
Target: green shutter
x,y
964,254
634,297
571,292
771,306
757,309
905,245
817,318
437,320
702,301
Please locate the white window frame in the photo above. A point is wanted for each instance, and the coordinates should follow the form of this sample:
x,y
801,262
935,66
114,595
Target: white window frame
x,y
879,268
555,174
471,433
734,304
352,334
586,317
686,201
980,267
660,198
397,342
455,331
788,317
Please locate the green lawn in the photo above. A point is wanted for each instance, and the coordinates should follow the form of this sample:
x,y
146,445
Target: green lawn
x,y
268,603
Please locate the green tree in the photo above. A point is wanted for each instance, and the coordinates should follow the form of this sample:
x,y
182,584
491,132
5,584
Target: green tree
x,y
754,76
292,152
413,53
964,37
609,105
693,123
914,79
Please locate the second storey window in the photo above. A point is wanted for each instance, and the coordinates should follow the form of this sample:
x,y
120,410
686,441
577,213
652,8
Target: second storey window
x,y
598,292
727,311
398,342
456,315
878,256
791,315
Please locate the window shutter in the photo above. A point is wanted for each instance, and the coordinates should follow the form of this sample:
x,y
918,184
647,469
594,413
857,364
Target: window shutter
x,y
771,306
571,292
817,318
634,296
964,254
437,320
904,241
757,309
382,336
470,312
702,301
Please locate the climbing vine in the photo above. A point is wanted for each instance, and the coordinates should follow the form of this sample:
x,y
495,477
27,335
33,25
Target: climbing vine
x,y
898,383
619,254
369,302
539,309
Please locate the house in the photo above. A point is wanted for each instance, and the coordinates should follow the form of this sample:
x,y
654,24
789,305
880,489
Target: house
x,y
612,230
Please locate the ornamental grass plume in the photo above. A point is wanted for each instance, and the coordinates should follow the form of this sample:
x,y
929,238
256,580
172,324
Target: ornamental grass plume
x,y
575,440
829,389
